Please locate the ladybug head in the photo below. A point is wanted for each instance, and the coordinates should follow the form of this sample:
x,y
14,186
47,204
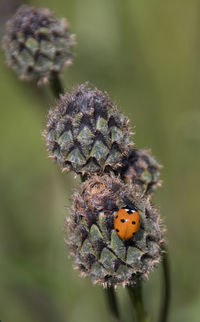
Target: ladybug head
x,y
130,208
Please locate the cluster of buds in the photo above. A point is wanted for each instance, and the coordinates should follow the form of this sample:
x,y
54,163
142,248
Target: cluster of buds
x,y
113,232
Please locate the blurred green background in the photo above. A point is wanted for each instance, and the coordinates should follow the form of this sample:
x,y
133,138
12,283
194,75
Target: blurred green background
x,y
146,55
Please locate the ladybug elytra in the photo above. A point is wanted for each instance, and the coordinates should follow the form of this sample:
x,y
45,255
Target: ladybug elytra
x,y
126,222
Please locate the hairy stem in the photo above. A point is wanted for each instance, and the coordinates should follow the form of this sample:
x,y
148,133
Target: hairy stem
x,y
135,293
166,286
112,303
56,85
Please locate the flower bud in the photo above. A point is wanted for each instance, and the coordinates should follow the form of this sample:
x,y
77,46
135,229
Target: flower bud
x,y
98,250
37,44
141,168
86,133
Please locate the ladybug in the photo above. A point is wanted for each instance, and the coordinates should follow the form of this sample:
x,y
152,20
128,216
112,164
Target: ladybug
x,y
126,222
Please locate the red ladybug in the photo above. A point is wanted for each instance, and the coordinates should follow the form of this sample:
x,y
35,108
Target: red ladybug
x,y
126,222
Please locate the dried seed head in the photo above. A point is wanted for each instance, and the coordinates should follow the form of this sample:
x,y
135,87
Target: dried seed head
x,y
86,133
37,44
96,247
141,168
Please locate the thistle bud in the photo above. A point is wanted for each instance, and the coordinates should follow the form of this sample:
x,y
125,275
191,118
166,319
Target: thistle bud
x,y
86,133
37,44
141,168
98,250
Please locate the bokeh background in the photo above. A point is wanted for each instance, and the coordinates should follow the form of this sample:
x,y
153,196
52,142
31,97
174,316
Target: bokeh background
x,y
146,55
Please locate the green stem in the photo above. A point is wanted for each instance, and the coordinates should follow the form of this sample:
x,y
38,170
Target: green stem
x,y
166,287
112,303
56,85
135,293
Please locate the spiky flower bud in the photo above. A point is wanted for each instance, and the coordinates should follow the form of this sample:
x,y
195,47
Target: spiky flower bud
x,y
141,168
86,133
37,44
96,247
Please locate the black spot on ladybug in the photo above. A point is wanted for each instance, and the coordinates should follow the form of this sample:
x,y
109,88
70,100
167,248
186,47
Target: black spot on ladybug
x,y
122,220
133,222
134,234
116,217
117,230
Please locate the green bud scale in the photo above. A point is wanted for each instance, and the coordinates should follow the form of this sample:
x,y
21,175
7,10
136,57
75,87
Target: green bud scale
x,y
37,44
141,168
98,251
86,133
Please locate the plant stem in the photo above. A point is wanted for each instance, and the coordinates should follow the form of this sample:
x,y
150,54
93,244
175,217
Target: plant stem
x,y
112,303
135,293
166,287
56,85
